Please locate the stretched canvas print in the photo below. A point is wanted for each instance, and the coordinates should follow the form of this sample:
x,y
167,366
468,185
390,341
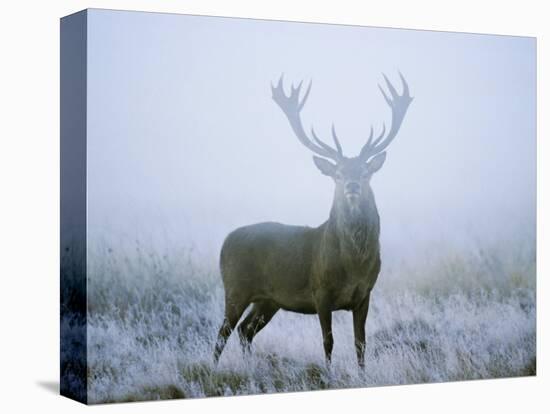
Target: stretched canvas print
x,y
257,206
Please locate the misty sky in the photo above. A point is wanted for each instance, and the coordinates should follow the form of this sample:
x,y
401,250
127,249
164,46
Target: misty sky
x,y
185,142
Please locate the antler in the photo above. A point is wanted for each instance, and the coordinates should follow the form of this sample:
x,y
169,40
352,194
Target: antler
x,y
399,105
291,106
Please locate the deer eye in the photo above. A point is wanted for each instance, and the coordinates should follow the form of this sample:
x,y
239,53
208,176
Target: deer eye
x,y
338,175
365,174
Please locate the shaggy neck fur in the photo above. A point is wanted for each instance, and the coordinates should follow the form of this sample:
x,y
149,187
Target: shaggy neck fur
x,y
356,226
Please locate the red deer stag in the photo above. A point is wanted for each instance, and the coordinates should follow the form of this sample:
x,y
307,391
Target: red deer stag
x,y
313,270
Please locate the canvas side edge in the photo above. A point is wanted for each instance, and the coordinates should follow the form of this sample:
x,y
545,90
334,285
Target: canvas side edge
x,y
73,231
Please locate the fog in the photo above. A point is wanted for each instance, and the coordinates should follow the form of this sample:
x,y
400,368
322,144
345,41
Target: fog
x,y
186,144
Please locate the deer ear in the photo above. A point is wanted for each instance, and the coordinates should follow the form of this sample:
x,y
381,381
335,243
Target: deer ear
x,y
376,163
325,166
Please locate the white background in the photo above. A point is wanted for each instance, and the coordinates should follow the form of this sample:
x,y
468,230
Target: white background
x,y
29,212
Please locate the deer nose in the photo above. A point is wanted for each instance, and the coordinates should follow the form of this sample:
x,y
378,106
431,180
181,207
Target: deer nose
x,y
352,187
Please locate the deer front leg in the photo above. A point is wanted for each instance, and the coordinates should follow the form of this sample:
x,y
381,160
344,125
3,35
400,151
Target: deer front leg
x,y
325,317
359,320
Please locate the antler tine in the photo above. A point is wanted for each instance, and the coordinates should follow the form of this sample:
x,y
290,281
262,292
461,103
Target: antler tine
x,y
391,88
371,136
336,141
399,105
317,140
326,146
371,142
405,86
381,136
304,99
388,100
291,106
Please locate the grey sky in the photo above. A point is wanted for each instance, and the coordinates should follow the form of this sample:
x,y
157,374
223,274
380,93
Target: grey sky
x,y
183,136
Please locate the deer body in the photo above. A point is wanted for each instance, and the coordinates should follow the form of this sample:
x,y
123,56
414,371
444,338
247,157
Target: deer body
x,y
292,265
312,270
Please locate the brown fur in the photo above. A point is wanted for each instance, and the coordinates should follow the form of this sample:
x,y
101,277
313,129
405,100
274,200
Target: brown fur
x,y
302,269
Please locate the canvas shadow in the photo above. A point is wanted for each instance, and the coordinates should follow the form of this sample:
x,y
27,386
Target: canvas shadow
x,y
51,386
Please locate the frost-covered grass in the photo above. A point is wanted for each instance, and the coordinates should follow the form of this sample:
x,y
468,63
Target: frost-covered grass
x,y
154,316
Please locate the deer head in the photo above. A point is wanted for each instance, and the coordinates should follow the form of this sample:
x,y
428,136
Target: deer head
x,y
351,175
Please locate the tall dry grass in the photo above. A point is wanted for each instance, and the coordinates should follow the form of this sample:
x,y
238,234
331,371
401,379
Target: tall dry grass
x,y
446,316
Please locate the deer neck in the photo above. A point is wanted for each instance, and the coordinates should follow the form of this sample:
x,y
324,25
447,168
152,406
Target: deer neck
x,y
356,229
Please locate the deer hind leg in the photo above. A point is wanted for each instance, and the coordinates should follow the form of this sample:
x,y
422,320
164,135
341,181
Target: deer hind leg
x,y
255,321
233,312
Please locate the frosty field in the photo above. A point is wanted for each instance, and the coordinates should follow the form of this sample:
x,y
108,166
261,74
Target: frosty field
x,y
454,315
